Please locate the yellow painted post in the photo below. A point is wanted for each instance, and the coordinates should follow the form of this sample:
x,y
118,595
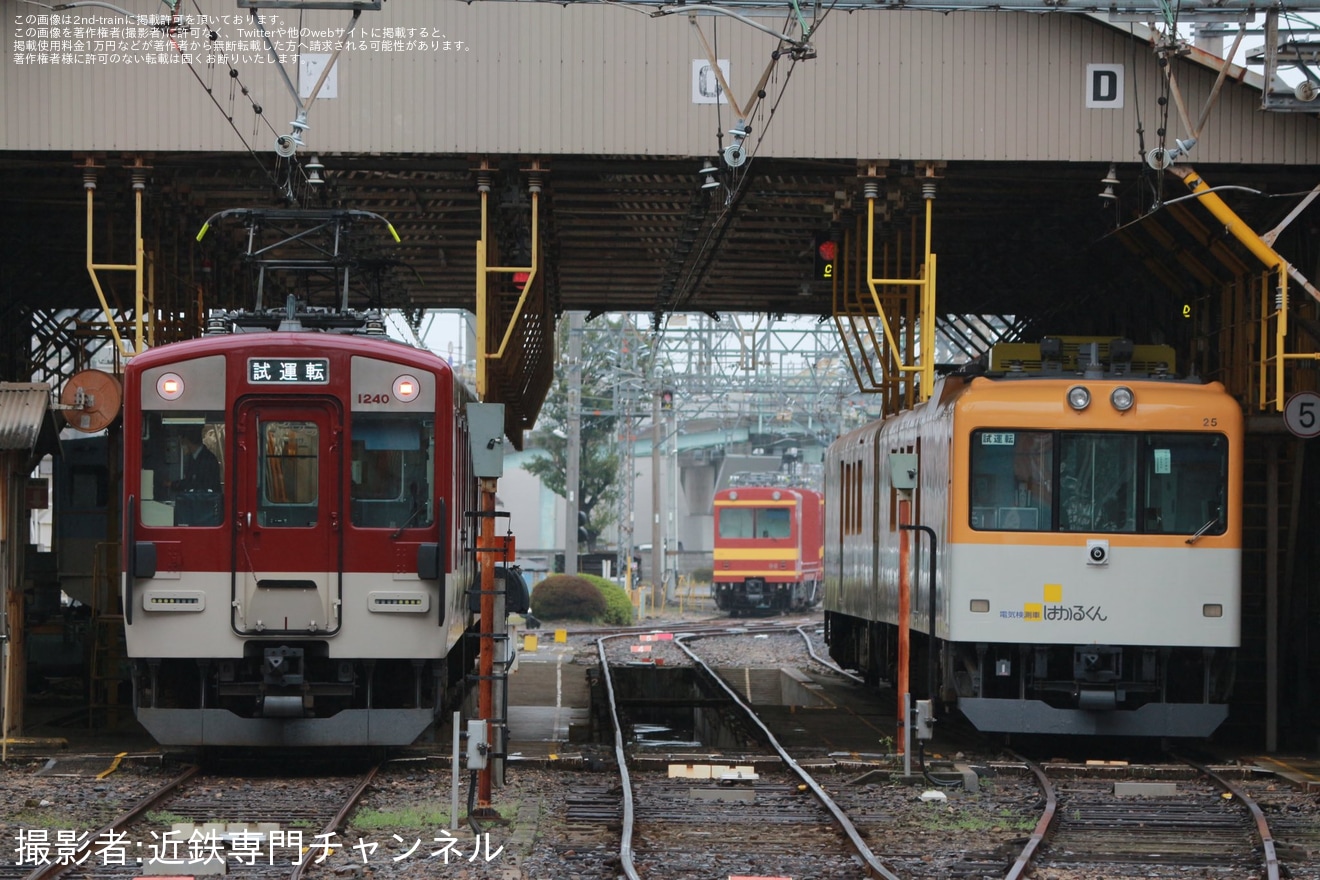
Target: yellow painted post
x,y
561,636
529,642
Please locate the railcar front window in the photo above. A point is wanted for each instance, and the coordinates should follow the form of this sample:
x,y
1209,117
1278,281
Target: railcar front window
x,y
1012,474
393,462
773,522
1186,483
1097,482
736,522
287,479
183,469
1073,481
755,522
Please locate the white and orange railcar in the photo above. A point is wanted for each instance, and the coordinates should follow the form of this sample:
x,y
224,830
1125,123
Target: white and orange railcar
x,y
1087,519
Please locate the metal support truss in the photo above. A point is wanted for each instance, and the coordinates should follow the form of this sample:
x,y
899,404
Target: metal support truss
x,y
513,308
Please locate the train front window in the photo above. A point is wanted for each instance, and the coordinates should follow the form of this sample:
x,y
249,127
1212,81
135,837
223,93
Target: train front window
x,y
287,478
1097,482
755,522
736,522
393,464
1186,480
1012,474
774,522
183,469
1074,481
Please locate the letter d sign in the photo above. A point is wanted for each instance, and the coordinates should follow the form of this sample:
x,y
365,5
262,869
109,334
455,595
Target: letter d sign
x,y
1104,86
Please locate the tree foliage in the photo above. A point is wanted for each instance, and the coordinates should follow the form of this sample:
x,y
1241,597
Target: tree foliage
x,y
598,463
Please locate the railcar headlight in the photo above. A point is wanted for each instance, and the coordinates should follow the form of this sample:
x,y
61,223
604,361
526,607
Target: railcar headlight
x,y
1079,398
775,495
1122,398
170,386
406,388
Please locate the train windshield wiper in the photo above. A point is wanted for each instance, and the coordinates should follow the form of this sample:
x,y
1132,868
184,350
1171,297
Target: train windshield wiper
x,y
394,536
1196,536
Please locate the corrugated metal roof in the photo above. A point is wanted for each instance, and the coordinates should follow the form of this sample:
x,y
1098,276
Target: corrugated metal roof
x,y
23,406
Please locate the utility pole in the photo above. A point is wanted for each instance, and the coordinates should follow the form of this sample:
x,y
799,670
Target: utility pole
x,y
657,498
573,452
487,734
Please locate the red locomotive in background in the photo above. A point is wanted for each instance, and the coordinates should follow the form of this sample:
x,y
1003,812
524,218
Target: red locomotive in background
x,y
768,548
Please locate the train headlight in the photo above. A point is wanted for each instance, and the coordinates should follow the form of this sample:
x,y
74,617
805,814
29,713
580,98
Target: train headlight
x,y
1122,398
1079,398
406,388
170,386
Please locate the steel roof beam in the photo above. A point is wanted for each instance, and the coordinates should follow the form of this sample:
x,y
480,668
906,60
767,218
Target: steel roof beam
x,y
1186,10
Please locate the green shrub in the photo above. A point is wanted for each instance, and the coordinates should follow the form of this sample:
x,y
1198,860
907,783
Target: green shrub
x,y
567,597
618,607
702,575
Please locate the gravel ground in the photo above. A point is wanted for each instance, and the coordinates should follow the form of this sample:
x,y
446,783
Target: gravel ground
x,y
767,649
540,839
404,826
47,805
541,842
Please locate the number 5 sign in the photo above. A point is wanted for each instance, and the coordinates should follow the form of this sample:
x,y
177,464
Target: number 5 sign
x,y
1302,414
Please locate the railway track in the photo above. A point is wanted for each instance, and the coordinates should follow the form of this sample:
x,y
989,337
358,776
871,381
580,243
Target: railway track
x,y
740,820
255,827
1155,821
1294,820
1147,821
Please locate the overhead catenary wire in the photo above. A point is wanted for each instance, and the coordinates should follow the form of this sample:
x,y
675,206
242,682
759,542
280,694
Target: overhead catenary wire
x,y
739,178
235,83
718,227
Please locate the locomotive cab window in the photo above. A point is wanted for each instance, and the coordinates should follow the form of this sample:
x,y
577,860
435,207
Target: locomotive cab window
x,y
755,522
1074,481
183,467
393,464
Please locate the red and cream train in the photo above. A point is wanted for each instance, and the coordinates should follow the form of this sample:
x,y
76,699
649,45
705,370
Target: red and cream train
x,y
317,595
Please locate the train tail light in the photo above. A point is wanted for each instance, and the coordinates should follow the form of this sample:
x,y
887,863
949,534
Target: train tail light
x,y
406,388
170,386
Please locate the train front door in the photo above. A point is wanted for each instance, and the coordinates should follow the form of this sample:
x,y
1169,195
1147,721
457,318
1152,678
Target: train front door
x,y
286,557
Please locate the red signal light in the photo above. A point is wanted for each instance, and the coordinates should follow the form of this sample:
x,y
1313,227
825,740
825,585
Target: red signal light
x,y
827,250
